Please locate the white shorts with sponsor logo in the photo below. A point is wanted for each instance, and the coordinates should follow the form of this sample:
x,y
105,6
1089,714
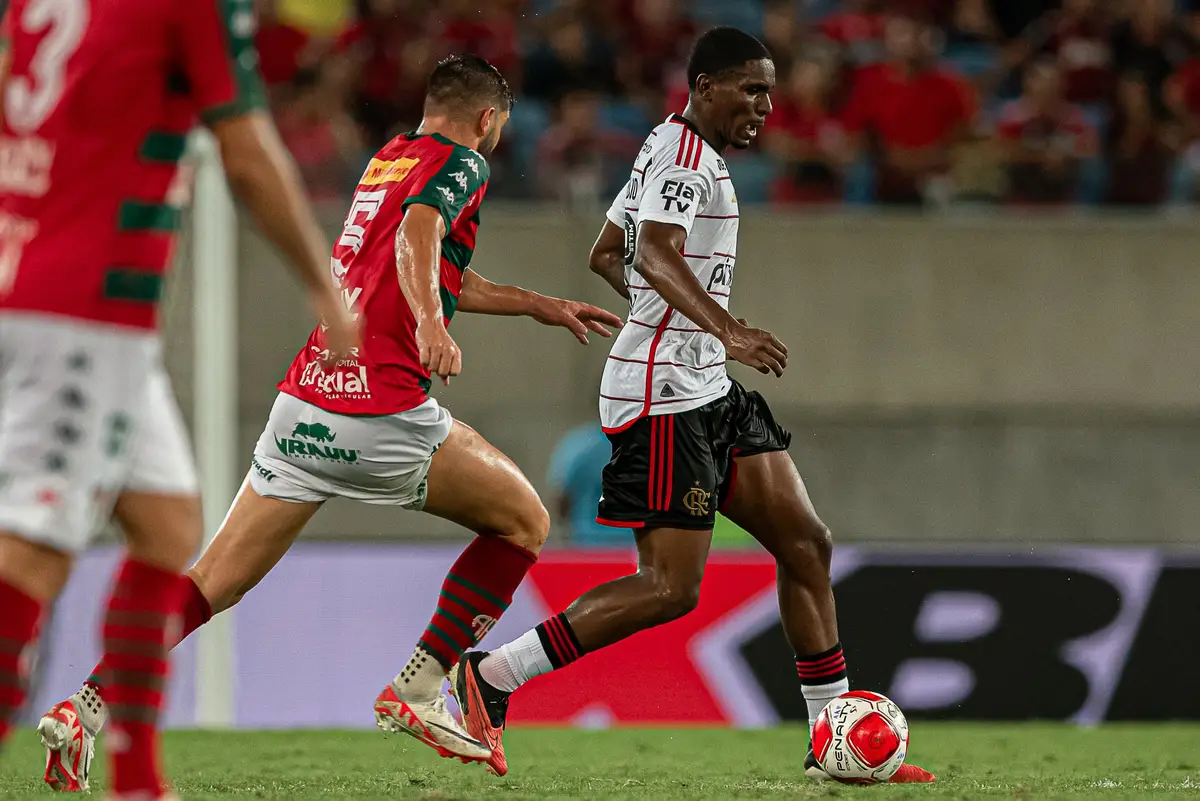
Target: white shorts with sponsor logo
x,y
86,411
306,454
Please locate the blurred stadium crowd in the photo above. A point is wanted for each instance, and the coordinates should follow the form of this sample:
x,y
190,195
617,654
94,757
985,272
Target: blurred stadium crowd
x,y
928,102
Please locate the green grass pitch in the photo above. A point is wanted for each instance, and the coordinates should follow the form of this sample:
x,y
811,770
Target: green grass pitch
x,y
1027,761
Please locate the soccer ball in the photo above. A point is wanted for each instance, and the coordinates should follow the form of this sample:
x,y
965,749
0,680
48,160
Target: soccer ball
x,y
860,738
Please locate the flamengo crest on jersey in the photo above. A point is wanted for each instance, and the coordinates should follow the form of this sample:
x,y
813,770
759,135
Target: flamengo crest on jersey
x,y
661,362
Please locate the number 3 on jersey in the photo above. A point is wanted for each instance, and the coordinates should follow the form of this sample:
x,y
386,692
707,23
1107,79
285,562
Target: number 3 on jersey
x,y
31,99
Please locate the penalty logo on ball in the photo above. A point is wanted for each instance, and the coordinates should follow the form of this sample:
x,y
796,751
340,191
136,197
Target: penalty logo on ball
x,y
861,737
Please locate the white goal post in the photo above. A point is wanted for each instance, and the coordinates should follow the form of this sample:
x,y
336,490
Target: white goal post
x,y
215,399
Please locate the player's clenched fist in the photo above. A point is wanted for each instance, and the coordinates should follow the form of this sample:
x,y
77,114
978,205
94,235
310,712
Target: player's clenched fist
x,y
438,352
756,348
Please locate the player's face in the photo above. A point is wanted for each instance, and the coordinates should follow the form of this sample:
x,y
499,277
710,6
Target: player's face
x,y
493,123
741,101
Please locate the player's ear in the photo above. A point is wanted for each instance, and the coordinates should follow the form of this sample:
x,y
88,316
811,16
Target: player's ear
x,y
704,87
487,120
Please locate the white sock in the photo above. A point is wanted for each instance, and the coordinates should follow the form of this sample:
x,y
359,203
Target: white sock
x,y
92,711
515,663
421,678
818,696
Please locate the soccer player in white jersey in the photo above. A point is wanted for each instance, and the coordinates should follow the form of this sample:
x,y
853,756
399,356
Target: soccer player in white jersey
x,y
687,440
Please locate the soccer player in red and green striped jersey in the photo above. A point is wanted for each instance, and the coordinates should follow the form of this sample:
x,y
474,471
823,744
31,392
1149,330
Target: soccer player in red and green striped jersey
x,y
363,426
98,99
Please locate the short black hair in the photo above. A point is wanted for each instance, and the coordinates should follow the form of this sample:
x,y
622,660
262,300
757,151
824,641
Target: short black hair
x,y
722,49
467,82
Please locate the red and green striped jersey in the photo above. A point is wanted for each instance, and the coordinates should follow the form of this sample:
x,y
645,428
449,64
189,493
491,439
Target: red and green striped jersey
x,y
386,376
97,106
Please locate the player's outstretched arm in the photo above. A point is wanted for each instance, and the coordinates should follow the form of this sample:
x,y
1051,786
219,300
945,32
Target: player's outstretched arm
x,y
608,257
660,261
263,176
481,296
418,266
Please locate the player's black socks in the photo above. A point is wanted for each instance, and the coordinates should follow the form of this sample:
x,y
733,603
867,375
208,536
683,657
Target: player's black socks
x,y
559,641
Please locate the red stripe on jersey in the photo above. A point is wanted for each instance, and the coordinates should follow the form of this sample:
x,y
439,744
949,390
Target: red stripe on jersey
x,y
692,142
619,523
682,144
699,152
670,463
650,474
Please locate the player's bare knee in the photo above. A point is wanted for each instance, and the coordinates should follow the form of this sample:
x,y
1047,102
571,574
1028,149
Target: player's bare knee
x,y
674,599
811,549
528,526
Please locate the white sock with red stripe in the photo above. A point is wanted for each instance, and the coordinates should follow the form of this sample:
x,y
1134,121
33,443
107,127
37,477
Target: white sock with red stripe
x,y
822,678
550,646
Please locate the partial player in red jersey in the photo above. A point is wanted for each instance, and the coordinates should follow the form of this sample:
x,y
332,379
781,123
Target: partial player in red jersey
x,y
98,98
364,426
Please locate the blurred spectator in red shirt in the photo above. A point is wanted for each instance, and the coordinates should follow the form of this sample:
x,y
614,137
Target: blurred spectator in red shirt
x,y
1141,150
1182,97
807,137
1153,42
486,29
281,47
910,113
781,33
858,30
373,46
1077,36
575,154
320,135
569,59
656,37
1042,139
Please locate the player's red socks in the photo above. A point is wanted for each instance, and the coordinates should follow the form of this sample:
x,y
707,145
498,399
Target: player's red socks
x,y
18,629
140,626
477,590
196,612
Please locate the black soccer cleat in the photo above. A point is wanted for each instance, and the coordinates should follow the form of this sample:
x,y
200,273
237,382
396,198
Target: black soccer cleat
x,y
484,708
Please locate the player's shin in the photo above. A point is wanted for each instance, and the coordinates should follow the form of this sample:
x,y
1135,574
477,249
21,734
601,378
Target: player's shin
x,y
18,630
140,626
89,701
476,592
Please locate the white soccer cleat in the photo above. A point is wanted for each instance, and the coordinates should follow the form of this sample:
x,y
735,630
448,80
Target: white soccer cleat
x,y
431,723
69,748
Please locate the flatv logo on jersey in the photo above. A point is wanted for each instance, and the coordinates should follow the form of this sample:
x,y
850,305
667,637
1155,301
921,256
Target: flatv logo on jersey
x,y
677,195
295,445
387,172
696,501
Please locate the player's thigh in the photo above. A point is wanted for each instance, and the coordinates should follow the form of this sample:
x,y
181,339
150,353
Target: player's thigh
x,y
767,497
254,536
470,482
674,558
37,570
70,400
159,505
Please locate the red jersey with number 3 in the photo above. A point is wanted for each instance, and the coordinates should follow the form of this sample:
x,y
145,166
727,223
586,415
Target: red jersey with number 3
x,y
97,105
386,376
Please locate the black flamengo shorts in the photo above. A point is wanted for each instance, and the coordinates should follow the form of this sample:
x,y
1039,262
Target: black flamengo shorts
x,y
676,470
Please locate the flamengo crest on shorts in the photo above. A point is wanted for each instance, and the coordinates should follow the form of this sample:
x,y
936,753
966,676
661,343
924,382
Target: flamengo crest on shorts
x,y
661,363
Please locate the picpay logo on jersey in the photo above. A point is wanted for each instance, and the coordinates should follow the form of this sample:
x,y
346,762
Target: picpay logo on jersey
x,y
677,196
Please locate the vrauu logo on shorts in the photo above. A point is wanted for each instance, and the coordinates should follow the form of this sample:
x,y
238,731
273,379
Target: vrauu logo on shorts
x,y
295,445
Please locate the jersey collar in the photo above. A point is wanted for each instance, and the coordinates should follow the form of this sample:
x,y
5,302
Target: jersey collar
x,y
686,123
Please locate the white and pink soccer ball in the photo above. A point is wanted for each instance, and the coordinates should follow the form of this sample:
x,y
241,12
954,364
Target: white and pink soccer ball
x,y
860,738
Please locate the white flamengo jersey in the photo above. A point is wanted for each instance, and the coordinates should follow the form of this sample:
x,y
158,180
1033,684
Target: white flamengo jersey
x,y
661,362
